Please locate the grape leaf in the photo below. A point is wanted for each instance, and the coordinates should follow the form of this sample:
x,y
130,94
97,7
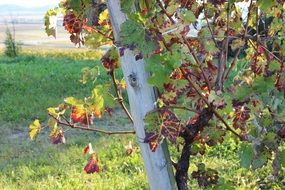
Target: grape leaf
x,y
56,136
92,166
51,22
133,33
265,4
127,5
188,17
35,128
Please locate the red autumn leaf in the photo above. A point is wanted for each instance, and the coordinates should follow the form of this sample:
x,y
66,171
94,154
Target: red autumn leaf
x,y
79,115
92,166
57,137
153,146
129,149
241,117
88,149
152,140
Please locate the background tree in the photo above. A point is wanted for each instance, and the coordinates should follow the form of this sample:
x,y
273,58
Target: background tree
x,y
12,47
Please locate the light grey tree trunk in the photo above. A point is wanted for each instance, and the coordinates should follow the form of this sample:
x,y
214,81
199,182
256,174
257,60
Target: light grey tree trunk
x,y
141,98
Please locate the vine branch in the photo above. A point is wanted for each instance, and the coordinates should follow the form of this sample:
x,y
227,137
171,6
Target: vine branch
x,y
119,97
68,124
210,106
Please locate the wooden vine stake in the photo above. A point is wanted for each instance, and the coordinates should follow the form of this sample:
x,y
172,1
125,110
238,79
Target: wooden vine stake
x,y
141,98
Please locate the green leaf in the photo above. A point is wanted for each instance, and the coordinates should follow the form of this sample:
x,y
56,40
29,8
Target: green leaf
x,y
211,47
263,84
75,4
265,4
259,161
72,101
151,122
133,33
89,73
127,5
35,128
50,21
52,123
188,17
158,79
274,66
242,92
246,155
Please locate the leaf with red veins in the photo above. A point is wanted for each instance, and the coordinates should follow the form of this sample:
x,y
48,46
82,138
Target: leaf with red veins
x,y
79,115
57,137
171,126
92,166
241,116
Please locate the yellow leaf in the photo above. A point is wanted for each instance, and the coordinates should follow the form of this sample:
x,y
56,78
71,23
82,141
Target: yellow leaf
x,y
103,16
52,111
35,128
52,123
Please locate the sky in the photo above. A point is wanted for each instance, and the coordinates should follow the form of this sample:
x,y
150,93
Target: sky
x,y
30,3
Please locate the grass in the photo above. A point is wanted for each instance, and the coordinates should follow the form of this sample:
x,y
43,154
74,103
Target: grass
x,y
29,84
36,80
39,165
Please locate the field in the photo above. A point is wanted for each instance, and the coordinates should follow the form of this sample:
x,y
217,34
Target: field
x,y
33,35
38,79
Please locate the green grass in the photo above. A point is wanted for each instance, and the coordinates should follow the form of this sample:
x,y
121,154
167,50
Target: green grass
x,y
37,80
38,165
30,84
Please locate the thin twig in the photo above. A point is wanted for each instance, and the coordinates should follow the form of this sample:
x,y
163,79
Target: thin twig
x,y
209,105
208,24
68,124
233,64
197,61
119,97
164,11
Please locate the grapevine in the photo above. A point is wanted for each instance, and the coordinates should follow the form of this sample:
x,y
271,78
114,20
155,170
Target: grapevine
x,y
217,70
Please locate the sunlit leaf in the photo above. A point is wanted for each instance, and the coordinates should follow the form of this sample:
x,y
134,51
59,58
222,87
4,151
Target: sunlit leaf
x,y
35,128
51,22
